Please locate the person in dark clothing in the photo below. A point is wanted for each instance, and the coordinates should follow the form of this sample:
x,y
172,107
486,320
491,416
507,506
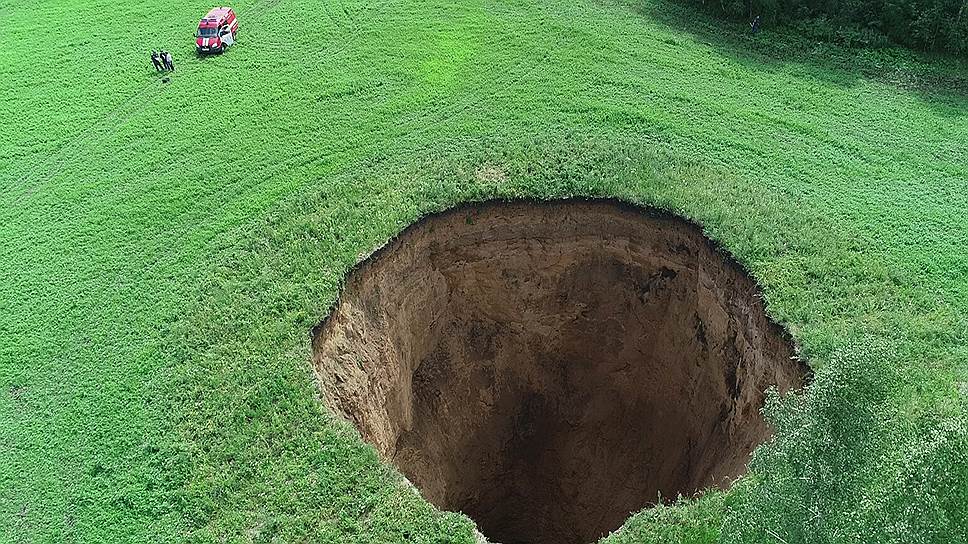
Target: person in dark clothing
x,y
156,61
169,62
755,25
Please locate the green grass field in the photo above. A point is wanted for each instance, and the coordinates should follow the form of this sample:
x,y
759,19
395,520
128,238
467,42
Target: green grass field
x,y
166,248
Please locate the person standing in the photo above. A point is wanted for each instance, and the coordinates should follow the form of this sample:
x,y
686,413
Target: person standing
x,y
169,62
156,61
755,25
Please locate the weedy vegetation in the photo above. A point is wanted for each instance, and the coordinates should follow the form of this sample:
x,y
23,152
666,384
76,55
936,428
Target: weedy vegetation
x,y
166,247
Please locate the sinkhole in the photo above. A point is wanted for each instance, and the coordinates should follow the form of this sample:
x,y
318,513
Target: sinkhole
x,y
547,368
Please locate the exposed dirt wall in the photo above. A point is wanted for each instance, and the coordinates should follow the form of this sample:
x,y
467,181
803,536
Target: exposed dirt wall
x,y
548,368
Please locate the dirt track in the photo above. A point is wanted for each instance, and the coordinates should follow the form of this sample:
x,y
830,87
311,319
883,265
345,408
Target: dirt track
x,y
548,368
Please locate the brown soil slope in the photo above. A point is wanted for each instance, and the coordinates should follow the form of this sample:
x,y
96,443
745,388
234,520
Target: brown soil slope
x,y
548,368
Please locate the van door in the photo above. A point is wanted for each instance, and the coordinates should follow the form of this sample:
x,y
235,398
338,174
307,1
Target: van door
x,y
225,33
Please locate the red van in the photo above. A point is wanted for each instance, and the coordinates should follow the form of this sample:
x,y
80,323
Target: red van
x,y
216,31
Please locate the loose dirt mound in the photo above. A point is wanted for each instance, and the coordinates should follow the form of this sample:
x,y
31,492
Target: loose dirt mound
x,y
548,368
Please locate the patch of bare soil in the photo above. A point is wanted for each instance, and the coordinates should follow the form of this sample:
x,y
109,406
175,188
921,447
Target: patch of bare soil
x,y
548,368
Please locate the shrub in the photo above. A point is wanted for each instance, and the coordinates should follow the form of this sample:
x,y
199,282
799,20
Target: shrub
x,y
853,464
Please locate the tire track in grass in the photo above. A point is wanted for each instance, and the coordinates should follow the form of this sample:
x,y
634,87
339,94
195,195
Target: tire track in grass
x,y
259,9
286,47
443,115
68,153
95,133
336,20
101,130
80,146
193,229
300,161
472,100
237,196
98,131
349,15
91,129
469,101
234,195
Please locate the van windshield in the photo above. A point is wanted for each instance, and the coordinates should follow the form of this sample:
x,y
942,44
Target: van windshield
x,y
205,32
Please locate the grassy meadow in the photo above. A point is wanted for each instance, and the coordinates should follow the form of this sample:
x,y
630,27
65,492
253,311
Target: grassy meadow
x,y
165,249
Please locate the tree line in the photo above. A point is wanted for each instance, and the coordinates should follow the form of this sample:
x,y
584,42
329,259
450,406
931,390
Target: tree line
x,y
931,25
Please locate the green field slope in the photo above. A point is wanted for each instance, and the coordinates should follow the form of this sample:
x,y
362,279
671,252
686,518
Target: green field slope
x,y
165,249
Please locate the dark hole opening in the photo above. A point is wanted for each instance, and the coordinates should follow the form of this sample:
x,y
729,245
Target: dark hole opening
x,y
549,368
